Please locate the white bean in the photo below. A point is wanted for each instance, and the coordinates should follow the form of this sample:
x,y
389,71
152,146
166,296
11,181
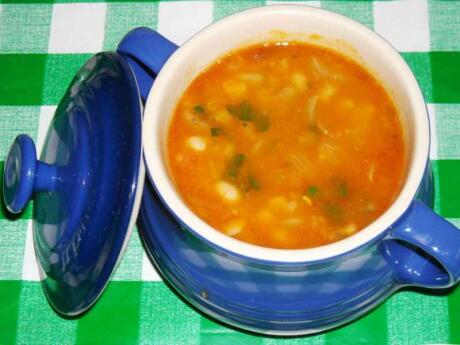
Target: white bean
x,y
254,78
327,92
299,80
235,227
227,191
282,204
222,116
349,229
291,222
291,206
197,143
234,87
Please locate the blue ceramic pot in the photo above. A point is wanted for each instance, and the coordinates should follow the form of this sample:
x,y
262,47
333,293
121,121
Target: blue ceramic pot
x,y
288,291
279,298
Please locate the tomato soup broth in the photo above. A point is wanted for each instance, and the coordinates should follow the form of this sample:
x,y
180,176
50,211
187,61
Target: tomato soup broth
x,y
286,145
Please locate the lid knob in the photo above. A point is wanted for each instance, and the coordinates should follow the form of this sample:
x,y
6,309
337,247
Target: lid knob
x,y
24,174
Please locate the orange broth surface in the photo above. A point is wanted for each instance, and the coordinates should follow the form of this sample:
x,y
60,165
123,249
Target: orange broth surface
x,y
286,145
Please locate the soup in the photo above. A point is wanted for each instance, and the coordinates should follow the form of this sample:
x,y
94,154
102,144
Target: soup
x,y
286,145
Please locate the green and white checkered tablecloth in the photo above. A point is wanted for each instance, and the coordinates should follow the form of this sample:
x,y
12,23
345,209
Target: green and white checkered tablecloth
x,y
43,43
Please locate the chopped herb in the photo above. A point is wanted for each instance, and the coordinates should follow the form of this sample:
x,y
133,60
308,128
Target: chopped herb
x,y
246,113
262,123
312,191
250,183
253,183
342,189
216,131
199,109
334,212
242,112
235,164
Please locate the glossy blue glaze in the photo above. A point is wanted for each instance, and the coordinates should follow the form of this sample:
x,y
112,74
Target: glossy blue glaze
x,y
85,184
24,174
419,249
148,61
262,296
421,228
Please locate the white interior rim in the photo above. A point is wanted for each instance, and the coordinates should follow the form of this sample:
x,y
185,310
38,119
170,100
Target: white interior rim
x,y
160,179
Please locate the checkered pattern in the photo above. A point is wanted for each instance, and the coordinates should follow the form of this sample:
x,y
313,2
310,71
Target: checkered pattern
x,y
42,44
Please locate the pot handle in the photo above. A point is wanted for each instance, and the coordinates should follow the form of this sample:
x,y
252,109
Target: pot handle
x,y
146,52
424,249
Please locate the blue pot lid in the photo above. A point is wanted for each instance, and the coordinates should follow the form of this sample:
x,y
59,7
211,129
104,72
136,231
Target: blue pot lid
x,y
87,185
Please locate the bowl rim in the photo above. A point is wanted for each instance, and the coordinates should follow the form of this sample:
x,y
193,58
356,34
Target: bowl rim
x,y
163,185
